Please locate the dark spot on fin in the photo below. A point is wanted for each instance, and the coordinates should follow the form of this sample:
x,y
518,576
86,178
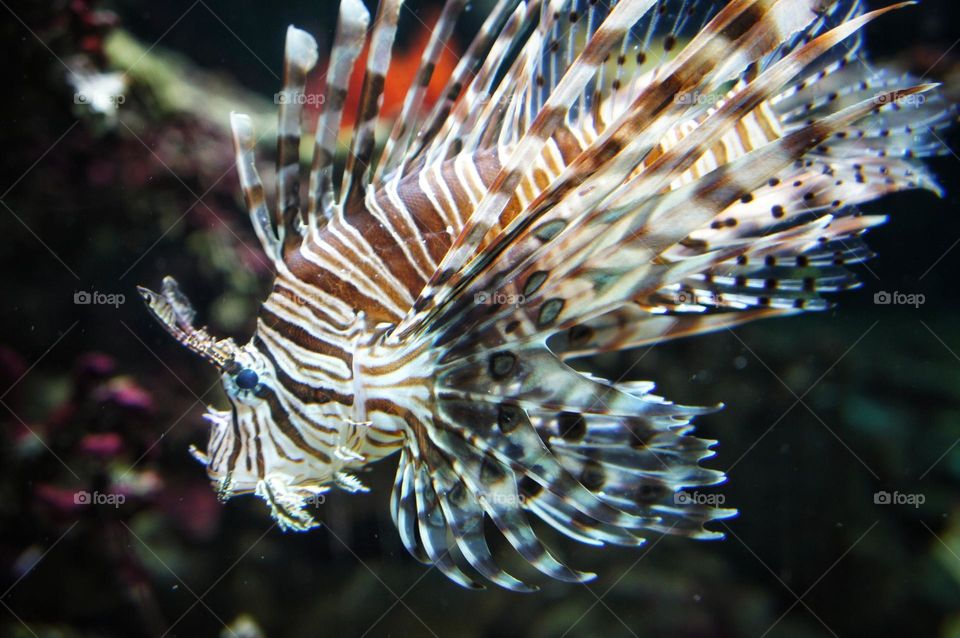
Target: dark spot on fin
x,y
502,364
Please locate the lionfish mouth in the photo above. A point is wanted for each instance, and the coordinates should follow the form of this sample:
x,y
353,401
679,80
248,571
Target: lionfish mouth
x,y
290,498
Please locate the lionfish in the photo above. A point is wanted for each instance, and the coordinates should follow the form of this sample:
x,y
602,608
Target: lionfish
x,y
597,176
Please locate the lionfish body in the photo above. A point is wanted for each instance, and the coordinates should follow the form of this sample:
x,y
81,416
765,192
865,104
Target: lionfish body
x,y
596,177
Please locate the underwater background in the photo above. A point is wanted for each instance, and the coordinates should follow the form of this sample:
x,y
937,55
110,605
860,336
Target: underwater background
x,y
840,435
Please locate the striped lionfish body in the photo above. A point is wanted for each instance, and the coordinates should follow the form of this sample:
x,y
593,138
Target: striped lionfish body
x,y
597,176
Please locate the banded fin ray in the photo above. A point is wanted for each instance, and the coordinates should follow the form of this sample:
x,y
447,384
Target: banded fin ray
x,y
300,56
617,151
352,22
358,170
557,256
550,307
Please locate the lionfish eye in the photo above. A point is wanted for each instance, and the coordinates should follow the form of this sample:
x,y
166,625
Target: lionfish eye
x,y
247,379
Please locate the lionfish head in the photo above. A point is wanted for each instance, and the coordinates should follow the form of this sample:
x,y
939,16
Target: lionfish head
x,y
241,458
